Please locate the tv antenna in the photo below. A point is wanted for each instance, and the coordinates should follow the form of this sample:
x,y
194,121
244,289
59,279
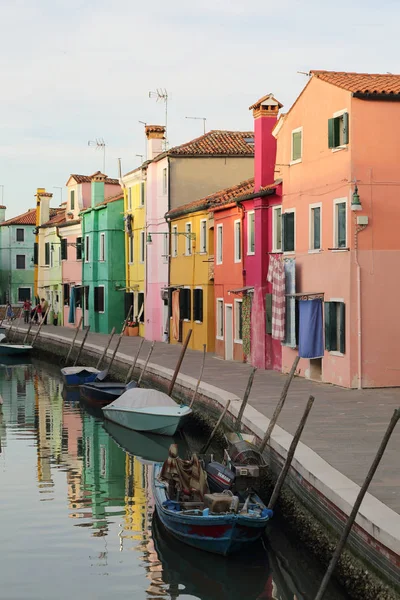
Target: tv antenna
x,y
204,119
162,94
99,144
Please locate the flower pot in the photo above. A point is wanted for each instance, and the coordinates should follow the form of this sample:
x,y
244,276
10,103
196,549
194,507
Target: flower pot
x,y
133,331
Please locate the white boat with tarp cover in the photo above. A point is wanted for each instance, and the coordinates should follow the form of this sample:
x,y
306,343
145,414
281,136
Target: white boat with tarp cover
x,y
147,410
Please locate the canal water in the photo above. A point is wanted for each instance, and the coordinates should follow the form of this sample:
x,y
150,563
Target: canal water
x,y
76,513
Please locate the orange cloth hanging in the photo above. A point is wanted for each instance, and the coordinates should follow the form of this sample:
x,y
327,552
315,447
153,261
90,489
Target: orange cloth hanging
x,y
175,314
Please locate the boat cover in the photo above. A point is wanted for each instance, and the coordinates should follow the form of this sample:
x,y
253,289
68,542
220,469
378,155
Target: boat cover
x,y
142,398
78,370
186,478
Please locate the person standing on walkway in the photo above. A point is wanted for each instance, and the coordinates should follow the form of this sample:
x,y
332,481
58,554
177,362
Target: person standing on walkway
x,y
27,310
38,316
44,306
9,312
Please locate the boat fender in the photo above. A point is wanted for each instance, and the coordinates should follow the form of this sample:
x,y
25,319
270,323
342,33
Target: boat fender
x,y
267,512
206,512
172,505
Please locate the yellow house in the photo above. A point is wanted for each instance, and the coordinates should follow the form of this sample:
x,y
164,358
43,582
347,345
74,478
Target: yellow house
x,y
191,286
134,186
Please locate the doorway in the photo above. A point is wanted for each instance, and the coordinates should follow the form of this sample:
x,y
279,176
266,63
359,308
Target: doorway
x,y
228,332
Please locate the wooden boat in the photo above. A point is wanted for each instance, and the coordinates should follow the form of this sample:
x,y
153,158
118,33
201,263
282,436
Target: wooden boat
x,y
101,393
14,349
219,523
146,410
80,375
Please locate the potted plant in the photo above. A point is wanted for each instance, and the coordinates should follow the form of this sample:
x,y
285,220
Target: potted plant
x,y
132,328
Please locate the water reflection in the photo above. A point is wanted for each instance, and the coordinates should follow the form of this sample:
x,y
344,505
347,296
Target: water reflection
x,y
77,500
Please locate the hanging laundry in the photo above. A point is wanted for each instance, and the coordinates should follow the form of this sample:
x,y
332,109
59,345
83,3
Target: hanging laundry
x,y
311,341
276,276
175,314
290,313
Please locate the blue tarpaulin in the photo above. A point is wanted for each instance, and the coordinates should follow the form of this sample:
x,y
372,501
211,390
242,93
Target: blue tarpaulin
x,y
311,341
71,316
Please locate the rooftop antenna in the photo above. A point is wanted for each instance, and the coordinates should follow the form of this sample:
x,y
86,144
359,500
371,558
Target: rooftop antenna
x,y
145,138
200,119
141,157
162,94
99,143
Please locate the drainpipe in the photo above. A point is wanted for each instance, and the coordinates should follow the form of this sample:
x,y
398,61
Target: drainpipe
x,y
127,271
358,229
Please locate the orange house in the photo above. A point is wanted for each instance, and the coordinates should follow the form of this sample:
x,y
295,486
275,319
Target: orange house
x,y
337,153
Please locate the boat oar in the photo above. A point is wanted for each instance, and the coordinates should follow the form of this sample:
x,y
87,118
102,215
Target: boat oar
x,y
145,364
105,349
133,365
74,339
200,376
81,346
214,431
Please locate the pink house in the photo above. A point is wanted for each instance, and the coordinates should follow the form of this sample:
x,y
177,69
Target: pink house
x,y
337,152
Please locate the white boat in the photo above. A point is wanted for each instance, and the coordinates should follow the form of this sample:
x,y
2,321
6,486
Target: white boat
x,y
147,410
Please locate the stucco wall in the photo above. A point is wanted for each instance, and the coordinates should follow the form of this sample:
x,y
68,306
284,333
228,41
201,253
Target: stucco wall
x,y
12,278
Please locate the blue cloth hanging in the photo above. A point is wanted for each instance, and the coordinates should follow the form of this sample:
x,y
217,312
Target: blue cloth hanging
x,y
311,341
71,316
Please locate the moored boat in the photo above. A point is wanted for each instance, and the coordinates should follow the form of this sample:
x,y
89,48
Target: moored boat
x,y
101,393
79,375
14,349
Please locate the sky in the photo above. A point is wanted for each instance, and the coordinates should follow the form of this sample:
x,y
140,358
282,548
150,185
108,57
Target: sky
x,y
73,71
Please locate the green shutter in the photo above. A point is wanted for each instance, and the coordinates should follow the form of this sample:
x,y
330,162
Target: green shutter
x,y
268,313
35,253
341,225
331,133
342,327
47,253
317,228
345,125
330,326
296,145
288,231
78,248
64,251
72,199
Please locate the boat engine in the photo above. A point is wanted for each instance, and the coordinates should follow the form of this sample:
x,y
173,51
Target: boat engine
x,y
238,479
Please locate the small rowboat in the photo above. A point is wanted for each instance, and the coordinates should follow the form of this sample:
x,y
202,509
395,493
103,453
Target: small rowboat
x,y
14,349
101,393
80,375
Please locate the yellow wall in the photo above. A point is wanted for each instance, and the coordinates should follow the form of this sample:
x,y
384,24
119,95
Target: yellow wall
x,y
193,271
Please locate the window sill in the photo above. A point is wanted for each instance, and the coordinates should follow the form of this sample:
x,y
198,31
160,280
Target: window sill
x,y
250,253
238,341
339,148
288,252
237,261
295,162
335,353
276,251
315,251
202,252
219,337
199,322
218,264
339,249
186,254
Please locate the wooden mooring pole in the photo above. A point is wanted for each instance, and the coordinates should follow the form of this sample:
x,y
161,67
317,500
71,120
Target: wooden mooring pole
x,y
178,366
30,325
145,364
73,341
357,504
133,365
245,398
280,404
106,347
214,431
200,376
81,346
290,454
17,327
40,325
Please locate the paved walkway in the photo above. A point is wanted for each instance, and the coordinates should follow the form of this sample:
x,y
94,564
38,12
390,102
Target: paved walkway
x,y
345,427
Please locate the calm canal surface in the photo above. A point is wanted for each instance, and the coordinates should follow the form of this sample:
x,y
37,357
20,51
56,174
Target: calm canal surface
x,y
76,513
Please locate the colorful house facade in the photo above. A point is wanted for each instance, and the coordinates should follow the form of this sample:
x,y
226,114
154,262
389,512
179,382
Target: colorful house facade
x,y
103,276
337,151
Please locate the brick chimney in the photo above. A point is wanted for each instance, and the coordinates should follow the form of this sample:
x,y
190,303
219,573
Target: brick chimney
x,y
265,113
42,206
2,213
155,135
97,187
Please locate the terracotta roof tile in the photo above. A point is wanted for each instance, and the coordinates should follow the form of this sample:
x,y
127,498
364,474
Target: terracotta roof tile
x,y
29,217
362,83
55,219
110,199
88,179
217,142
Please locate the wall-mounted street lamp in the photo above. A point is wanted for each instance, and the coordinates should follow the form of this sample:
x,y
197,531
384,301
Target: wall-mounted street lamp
x,y
188,235
355,200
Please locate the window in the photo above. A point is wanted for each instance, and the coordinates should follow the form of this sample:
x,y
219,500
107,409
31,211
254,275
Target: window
x,y
87,248
20,261
315,227
64,249
47,253
338,130
203,236
131,245
250,232
198,305
79,248
99,299
129,198
175,240
66,294
142,190
297,145
188,238
20,235
165,248
340,220
24,293
140,313
142,247
237,241
335,326
238,321
288,231
165,181
103,461
277,229
72,198
219,244
185,303
220,319
102,253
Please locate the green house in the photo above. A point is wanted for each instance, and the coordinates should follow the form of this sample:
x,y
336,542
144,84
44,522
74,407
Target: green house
x,y
103,267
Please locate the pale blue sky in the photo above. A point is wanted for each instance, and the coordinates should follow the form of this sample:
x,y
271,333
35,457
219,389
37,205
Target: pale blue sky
x,y
71,71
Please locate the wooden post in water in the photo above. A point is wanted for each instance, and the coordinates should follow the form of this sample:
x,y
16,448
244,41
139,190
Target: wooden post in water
x,y
245,398
280,404
357,504
81,346
214,431
106,347
114,353
19,320
290,454
41,325
200,376
178,366
145,364
30,325
133,365
128,316
73,341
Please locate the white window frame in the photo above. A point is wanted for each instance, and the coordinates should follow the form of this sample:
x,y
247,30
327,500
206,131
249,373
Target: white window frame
x,y
165,248
237,243
340,113
165,181
220,318
341,301
250,252
203,236
87,248
335,225
275,247
298,160
174,241
100,312
142,247
129,198
131,250
291,210
236,338
311,248
102,247
220,244
188,239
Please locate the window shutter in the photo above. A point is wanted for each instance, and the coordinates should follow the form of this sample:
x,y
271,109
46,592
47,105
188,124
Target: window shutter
x,y
78,248
288,231
189,303
342,327
330,326
296,145
345,128
200,305
64,251
35,253
195,305
331,133
268,313
96,299
47,253
72,199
